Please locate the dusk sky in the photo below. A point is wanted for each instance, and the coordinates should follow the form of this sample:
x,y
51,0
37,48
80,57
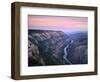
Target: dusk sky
x,y
58,22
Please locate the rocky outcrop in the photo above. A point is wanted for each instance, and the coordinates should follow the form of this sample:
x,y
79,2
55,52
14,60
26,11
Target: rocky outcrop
x,y
47,48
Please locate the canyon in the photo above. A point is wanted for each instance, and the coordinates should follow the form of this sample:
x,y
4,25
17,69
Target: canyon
x,y
47,47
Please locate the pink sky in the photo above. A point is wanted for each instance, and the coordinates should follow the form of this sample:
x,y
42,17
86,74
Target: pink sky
x,y
57,22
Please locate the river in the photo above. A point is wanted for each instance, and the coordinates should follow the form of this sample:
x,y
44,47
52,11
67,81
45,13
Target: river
x,y
66,52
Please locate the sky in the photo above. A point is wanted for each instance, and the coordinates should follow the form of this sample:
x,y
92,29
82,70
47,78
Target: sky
x,y
63,23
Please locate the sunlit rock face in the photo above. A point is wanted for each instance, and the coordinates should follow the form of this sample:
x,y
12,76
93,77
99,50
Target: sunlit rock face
x,y
56,48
